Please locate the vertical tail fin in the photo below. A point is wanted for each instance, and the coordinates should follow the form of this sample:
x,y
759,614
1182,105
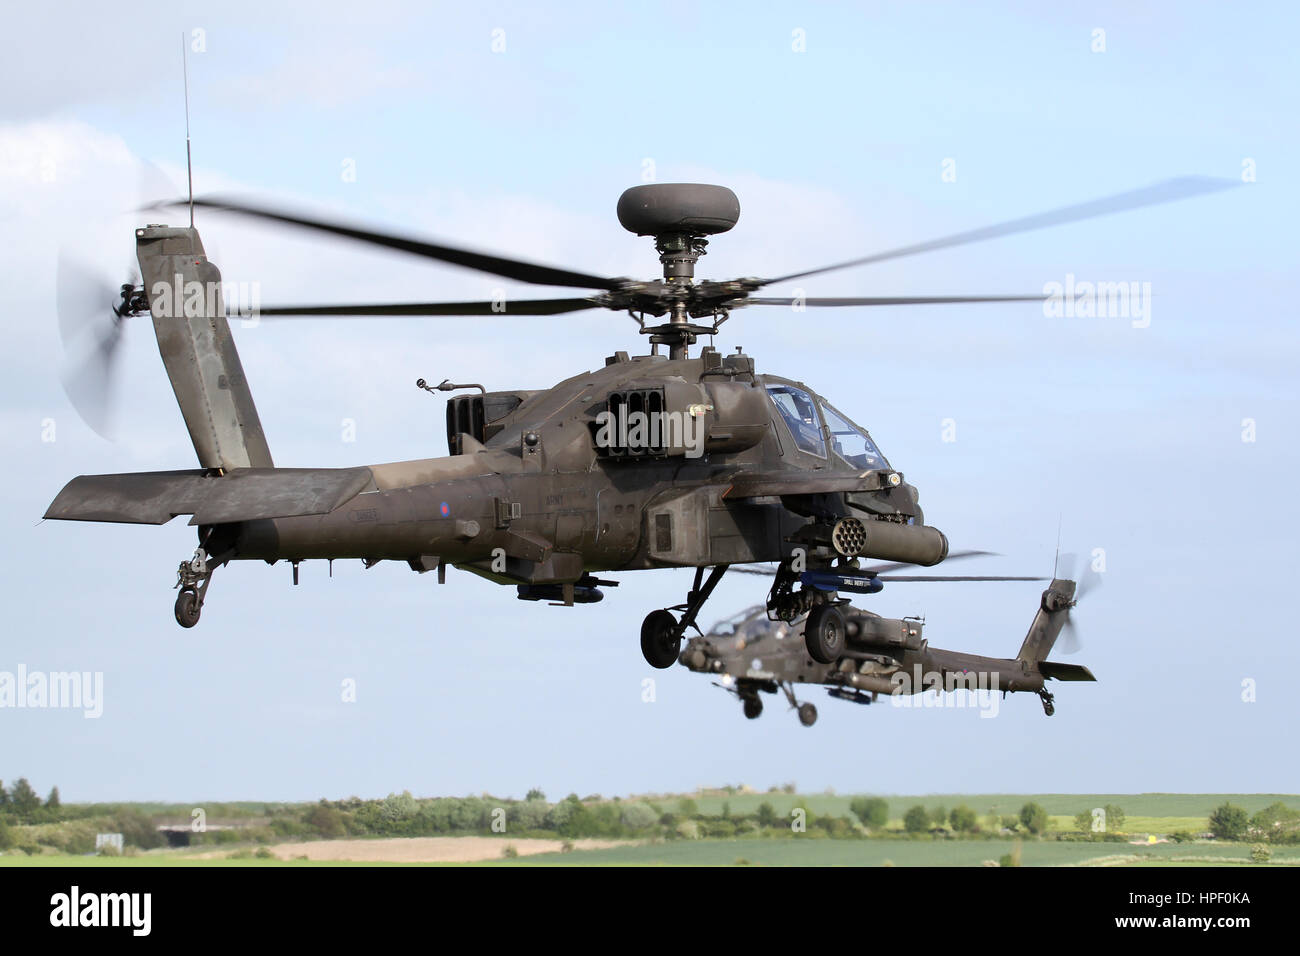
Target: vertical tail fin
x,y
1049,620
189,320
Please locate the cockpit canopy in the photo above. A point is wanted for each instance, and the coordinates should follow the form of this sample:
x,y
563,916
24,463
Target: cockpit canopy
x,y
799,411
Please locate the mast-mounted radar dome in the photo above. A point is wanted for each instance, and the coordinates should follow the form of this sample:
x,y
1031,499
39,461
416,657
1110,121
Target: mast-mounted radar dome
x,y
693,209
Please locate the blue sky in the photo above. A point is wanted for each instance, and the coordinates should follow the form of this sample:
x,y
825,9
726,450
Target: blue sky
x,y
1130,438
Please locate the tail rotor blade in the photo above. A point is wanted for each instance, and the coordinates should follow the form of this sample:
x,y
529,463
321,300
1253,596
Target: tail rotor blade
x,y
1065,564
91,334
90,385
82,299
1088,580
1070,642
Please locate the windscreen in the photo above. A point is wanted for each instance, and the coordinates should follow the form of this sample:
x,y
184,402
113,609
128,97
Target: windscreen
x,y
852,443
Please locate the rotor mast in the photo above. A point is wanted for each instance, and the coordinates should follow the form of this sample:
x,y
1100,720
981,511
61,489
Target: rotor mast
x,y
678,252
680,217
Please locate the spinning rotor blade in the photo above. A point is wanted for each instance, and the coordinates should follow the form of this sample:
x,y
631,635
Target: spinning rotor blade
x,y
954,556
959,577
1086,580
1070,643
1167,191
881,570
82,297
91,334
483,262
894,300
506,307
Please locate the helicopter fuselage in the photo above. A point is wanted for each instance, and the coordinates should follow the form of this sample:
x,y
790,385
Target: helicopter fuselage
x,y
537,494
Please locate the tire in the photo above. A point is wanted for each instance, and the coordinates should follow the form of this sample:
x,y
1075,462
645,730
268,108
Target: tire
x,y
807,714
187,607
657,643
753,707
824,633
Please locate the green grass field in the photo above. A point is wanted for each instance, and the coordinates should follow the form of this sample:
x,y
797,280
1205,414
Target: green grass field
x,y
785,852
886,852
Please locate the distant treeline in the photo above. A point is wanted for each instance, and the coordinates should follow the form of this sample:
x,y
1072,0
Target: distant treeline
x,y
402,815
23,804
27,821
70,829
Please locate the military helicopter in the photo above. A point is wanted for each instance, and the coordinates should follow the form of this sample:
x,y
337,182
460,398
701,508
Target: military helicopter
x,y
753,654
653,461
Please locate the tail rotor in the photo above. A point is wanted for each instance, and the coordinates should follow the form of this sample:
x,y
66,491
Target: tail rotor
x,y
91,312
1087,579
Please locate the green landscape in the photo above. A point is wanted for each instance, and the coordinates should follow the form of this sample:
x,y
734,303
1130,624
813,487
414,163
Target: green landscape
x,y
722,826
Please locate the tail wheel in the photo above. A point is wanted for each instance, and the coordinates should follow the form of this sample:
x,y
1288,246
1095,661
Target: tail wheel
x,y
753,707
807,714
660,642
188,607
824,633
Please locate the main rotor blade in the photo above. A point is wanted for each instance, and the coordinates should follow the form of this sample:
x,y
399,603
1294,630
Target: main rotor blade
x,y
741,569
898,565
894,300
877,569
1169,190
505,307
483,262
958,577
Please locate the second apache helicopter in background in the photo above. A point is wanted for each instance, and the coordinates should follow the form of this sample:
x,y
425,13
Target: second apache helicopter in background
x,y
752,654
652,461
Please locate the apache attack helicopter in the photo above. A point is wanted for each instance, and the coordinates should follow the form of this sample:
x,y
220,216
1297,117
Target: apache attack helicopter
x,y
653,461
753,654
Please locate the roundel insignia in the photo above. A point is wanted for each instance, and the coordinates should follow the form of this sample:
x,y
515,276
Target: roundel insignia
x,y
445,509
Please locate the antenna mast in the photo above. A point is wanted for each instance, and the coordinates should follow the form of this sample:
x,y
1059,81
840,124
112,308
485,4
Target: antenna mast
x,y
189,164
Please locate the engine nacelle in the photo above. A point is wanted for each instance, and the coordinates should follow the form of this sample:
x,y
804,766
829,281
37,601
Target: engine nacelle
x,y
479,416
680,419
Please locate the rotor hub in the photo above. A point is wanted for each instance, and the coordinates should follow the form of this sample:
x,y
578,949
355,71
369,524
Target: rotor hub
x,y
679,252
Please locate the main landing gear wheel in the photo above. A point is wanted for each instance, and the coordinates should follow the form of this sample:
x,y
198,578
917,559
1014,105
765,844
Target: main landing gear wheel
x,y
1049,702
661,633
807,714
661,641
188,607
753,707
824,634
